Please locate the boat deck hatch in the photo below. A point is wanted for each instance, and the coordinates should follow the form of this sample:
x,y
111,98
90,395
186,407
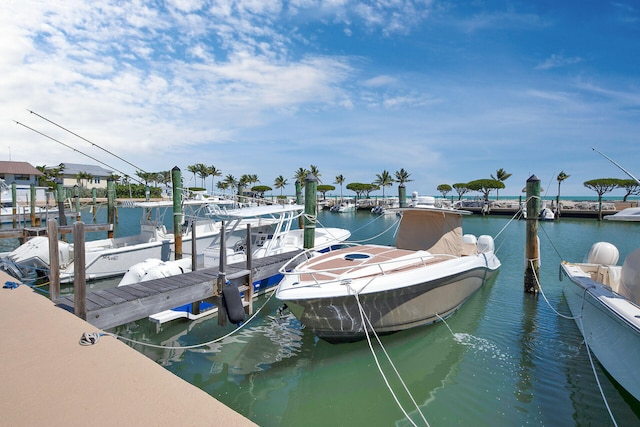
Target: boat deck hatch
x,y
356,256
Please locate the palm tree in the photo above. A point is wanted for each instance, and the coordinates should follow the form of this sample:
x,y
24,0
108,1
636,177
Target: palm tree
x,y
340,180
194,170
402,176
501,175
300,175
561,177
231,182
202,171
244,181
280,183
383,180
223,186
213,172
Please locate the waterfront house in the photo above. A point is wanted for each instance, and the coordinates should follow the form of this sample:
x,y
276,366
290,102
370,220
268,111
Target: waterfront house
x,y
84,176
24,175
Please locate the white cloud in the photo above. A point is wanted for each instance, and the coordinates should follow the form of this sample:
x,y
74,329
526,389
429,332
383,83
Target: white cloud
x,y
557,61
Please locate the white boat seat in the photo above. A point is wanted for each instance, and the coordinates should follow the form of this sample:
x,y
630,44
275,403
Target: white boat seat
x,y
609,275
630,277
469,244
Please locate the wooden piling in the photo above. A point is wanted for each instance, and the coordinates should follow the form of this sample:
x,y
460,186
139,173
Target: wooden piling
x,y
79,278
54,259
177,211
195,306
95,205
532,250
311,188
76,200
14,202
62,219
402,195
221,279
111,199
299,202
32,192
249,252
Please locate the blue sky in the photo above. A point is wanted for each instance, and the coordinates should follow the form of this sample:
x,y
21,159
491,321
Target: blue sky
x,y
450,91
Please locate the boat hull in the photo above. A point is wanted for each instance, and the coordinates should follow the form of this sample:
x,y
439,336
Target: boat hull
x,y
610,325
338,319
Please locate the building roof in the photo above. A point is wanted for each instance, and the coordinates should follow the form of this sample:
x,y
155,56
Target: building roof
x,y
18,168
76,168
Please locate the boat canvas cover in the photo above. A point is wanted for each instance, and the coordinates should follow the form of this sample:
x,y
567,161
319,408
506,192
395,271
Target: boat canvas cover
x,y
435,231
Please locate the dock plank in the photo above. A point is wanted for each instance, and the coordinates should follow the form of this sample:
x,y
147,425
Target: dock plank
x,y
107,308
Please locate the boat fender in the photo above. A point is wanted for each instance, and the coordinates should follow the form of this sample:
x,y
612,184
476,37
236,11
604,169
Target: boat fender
x,y
233,304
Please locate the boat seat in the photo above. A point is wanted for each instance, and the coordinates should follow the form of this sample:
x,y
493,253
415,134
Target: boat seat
x,y
469,245
630,277
608,275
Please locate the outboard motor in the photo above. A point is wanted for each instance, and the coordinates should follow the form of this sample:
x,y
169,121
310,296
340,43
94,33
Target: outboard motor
x,y
603,253
485,244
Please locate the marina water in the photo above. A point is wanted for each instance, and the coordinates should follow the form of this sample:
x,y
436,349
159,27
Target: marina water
x,y
505,358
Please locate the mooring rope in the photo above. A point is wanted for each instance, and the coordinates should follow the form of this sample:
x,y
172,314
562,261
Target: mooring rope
x,y
188,347
535,275
578,318
366,320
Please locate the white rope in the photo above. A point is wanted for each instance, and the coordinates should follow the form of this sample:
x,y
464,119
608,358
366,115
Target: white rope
x,y
194,345
579,318
366,320
564,316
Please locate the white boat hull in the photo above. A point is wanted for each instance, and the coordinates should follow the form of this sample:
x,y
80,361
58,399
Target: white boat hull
x,y
338,318
609,323
107,257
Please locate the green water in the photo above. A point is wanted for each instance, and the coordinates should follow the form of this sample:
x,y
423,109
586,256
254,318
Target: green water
x,y
505,358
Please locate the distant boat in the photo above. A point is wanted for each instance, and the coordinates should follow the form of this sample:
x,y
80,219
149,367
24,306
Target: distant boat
x,y
628,214
418,201
546,214
427,276
112,257
343,207
604,300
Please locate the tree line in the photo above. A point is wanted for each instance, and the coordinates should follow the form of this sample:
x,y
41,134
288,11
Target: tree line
x,y
126,188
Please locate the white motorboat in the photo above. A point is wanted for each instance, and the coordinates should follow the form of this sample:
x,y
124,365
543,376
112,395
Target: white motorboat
x,y
627,214
271,234
432,270
343,207
113,257
604,300
547,214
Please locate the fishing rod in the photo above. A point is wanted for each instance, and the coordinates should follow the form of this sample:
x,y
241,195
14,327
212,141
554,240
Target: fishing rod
x,y
85,139
77,151
621,168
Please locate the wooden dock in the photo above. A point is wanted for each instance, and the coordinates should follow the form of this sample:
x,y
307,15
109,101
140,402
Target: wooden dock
x,y
107,308
27,232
